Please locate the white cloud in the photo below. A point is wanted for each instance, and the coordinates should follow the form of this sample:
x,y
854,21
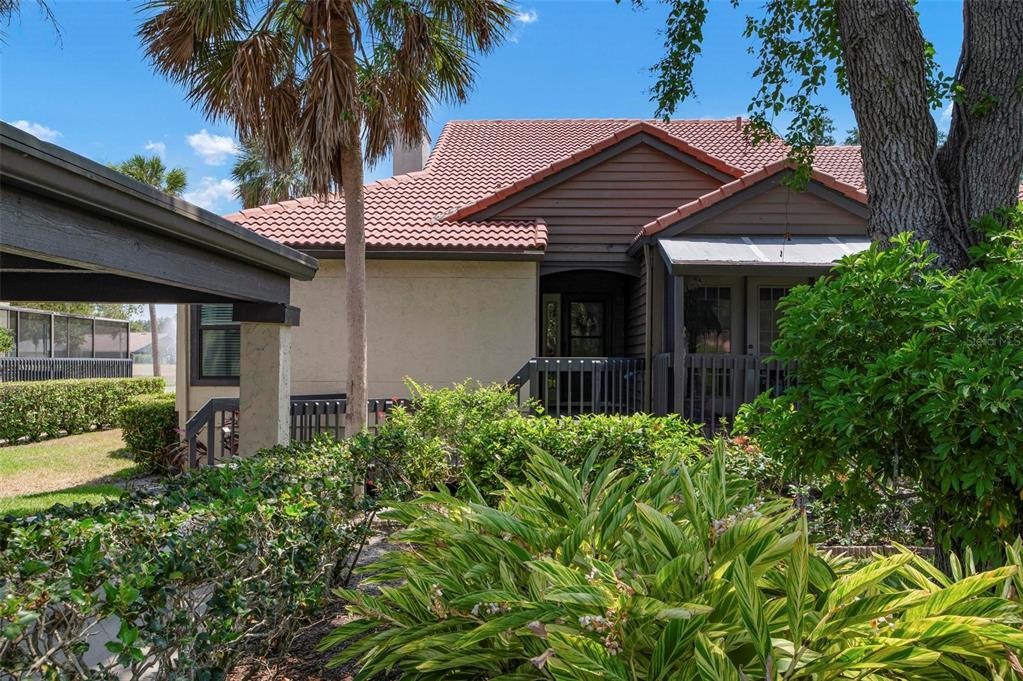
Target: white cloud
x,y
211,193
528,16
946,117
522,18
37,129
213,149
158,148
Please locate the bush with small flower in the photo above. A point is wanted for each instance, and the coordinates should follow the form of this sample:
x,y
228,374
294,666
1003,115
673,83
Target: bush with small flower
x,y
909,384
224,561
597,572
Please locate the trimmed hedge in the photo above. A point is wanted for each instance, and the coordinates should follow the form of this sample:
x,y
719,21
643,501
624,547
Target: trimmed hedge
x,y
148,424
50,408
477,432
224,562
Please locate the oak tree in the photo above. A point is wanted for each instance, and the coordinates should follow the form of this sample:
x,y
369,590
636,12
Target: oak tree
x,y
876,52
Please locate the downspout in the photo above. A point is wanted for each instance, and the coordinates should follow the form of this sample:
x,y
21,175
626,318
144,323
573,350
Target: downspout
x,y
648,350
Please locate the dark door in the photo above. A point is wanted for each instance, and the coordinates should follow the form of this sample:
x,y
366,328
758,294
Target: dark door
x,y
584,326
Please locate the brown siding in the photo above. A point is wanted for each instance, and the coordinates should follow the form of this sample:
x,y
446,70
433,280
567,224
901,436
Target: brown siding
x,y
635,316
783,210
594,216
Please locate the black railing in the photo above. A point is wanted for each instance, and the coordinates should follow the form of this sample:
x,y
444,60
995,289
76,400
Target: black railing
x,y
212,432
569,386
661,382
716,385
53,368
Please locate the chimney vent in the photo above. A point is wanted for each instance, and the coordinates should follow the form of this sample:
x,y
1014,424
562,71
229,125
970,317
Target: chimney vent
x,y
409,159
738,122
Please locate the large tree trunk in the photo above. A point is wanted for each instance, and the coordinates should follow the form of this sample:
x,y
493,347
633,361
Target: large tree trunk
x,y
355,287
154,336
912,186
980,162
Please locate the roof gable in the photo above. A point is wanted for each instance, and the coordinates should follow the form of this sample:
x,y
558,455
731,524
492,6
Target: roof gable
x,y
579,162
745,188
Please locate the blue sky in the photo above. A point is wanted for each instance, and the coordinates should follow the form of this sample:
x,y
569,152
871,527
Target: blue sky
x,y
95,94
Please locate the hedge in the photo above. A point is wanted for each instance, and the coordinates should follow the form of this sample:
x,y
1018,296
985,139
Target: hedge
x,y
38,409
224,562
478,432
148,424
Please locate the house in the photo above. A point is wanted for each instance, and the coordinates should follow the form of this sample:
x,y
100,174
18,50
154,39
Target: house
x,y
140,344
606,265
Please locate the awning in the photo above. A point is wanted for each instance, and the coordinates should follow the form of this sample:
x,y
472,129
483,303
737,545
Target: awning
x,y
685,254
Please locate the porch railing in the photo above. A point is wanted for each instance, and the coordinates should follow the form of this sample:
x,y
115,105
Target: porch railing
x,y
569,386
661,380
211,433
53,368
715,386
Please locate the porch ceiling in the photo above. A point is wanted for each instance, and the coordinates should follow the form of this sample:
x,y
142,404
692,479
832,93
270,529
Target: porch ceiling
x,y
705,253
74,230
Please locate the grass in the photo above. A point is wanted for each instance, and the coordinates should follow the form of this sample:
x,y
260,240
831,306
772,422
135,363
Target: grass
x,y
77,469
26,504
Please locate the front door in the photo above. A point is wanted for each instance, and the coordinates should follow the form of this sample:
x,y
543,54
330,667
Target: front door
x,y
584,326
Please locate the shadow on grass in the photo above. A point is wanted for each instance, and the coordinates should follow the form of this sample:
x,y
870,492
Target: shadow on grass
x,y
88,493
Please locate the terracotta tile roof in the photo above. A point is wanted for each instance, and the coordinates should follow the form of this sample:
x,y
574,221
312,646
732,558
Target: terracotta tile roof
x,y
476,160
723,192
843,163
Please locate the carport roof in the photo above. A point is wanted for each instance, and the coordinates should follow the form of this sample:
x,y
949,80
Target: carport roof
x,y
74,230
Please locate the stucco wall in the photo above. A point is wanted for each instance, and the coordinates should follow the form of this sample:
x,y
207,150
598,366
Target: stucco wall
x,y
437,322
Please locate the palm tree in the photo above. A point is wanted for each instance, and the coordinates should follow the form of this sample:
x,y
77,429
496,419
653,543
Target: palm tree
x,y
259,183
341,80
151,170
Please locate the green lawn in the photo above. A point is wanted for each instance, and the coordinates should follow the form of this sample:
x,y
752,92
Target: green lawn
x,y
80,468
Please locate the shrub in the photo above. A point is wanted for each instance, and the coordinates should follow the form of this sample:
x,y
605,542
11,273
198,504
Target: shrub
x,y
37,408
226,561
908,372
477,433
831,519
148,424
6,340
638,442
688,576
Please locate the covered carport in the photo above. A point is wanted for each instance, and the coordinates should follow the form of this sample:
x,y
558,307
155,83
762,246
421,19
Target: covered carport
x,y
72,230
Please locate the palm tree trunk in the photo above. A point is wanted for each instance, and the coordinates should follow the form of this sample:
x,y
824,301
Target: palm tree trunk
x,y
355,290
154,335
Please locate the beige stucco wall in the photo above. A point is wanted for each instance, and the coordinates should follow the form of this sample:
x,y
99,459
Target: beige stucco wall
x,y
437,322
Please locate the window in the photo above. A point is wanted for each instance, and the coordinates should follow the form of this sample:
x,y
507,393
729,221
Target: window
x,y
551,325
33,335
586,328
767,312
708,313
216,345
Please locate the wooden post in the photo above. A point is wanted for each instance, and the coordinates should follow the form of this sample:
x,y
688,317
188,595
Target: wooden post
x,y
679,342
648,345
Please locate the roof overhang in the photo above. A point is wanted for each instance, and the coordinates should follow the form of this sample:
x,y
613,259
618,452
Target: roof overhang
x,y
764,254
75,230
